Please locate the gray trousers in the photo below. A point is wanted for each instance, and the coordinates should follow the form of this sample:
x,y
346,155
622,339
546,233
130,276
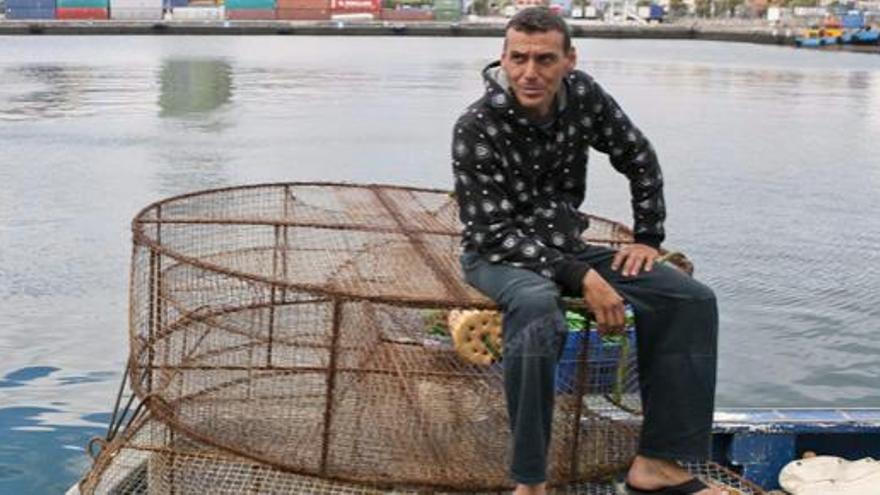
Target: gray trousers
x,y
676,333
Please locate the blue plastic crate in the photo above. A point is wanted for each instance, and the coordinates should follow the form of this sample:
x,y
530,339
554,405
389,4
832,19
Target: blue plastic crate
x,y
603,362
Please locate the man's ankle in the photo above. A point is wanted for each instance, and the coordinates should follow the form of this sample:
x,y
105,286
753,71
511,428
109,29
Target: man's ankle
x,y
651,472
539,489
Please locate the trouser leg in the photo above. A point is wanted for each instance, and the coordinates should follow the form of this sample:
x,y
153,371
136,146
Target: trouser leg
x,y
677,332
534,332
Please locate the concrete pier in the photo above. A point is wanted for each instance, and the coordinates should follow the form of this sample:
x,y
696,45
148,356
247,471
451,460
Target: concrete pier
x,y
379,28
492,27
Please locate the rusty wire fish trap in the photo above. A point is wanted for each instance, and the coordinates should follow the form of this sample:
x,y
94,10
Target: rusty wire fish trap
x,y
279,345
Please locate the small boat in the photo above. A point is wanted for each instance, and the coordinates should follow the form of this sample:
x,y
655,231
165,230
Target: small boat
x,y
813,38
758,443
866,36
251,377
808,41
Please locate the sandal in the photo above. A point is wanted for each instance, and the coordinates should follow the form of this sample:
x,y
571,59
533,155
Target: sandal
x,y
689,487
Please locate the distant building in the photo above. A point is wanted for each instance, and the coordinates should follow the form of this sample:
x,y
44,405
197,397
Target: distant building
x,y
523,4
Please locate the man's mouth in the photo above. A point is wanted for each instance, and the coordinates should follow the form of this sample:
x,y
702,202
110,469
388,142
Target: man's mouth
x,y
532,91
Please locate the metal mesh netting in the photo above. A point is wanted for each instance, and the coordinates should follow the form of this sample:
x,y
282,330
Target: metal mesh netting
x,y
151,458
278,340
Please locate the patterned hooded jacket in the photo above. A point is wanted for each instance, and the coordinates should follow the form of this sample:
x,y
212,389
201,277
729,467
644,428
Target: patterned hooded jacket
x,y
519,184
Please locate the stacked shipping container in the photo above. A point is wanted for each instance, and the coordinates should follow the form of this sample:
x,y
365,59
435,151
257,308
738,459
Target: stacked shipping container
x,y
444,10
197,10
250,10
303,10
408,14
82,9
370,7
447,10
30,9
148,10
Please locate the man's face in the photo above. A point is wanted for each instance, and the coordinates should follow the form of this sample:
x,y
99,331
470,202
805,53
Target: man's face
x,y
535,64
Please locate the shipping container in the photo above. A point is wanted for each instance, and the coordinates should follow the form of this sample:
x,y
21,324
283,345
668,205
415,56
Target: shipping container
x,y
250,14
198,13
19,12
355,6
292,14
303,4
447,5
136,9
31,4
407,14
81,13
447,15
82,4
250,4
135,14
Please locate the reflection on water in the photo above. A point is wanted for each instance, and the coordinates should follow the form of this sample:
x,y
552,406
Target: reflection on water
x,y
43,91
186,169
192,95
190,87
769,154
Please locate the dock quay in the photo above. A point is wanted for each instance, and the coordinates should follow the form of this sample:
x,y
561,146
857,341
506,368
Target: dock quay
x,y
762,35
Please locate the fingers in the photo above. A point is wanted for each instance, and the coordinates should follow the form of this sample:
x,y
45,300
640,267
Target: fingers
x,y
633,265
633,260
649,263
611,319
619,258
600,320
605,303
618,317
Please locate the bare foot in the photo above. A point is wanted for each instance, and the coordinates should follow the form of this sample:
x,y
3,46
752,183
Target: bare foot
x,y
540,489
647,473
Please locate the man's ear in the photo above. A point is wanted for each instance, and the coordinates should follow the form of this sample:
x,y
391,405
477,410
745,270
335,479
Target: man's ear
x,y
571,59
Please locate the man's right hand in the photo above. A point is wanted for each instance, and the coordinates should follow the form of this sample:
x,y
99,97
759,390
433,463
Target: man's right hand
x,y
605,303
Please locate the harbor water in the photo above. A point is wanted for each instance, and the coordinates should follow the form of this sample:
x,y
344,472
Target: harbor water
x,y
770,156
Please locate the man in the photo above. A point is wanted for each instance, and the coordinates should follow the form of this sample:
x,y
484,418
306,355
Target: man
x,y
519,158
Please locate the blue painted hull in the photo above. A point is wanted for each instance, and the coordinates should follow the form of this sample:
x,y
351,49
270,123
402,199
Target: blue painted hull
x,y
808,42
867,37
758,443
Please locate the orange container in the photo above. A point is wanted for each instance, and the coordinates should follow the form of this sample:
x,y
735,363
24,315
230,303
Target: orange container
x,y
355,6
250,14
303,14
407,15
303,4
83,13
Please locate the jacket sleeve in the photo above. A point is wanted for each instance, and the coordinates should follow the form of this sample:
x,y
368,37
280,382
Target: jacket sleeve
x,y
487,213
632,155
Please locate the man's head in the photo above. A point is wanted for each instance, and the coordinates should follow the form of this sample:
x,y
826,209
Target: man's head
x,y
537,55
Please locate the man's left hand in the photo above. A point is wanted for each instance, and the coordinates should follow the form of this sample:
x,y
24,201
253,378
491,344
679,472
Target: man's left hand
x,y
633,258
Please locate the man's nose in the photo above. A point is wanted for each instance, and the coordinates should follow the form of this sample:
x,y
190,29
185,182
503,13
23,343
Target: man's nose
x,y
531,70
